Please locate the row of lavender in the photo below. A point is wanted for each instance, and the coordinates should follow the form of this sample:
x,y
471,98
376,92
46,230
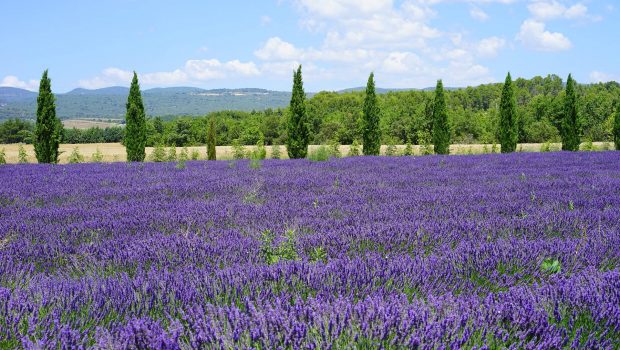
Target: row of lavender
x,y
508,251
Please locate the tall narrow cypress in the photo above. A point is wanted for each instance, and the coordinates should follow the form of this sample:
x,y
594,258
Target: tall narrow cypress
x,y
441,129
371,133
211,140
135,124
508,129
298,135
570,122
48,128
617,127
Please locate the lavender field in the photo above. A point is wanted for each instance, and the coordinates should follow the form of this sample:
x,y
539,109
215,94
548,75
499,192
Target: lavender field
x,y
517,251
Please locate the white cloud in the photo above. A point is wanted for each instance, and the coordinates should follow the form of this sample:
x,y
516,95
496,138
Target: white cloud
x,y
534,36
277,49
478,14
13,81
489,47
194,71
552,9
601,77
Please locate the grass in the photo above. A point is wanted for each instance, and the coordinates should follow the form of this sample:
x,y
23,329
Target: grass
x,y
115,152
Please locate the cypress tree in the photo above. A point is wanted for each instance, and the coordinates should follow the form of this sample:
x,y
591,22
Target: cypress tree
x,y
508,131
441,129
298,136
371,135
570,122
135,127
617,127
211,140
48,128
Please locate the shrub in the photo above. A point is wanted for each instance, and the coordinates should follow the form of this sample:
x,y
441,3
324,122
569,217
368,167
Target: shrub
x,y
424,140
320,154
391,150
408,151
97,157
75,156
259,152
184,155
276,153
172,154
2,156
195,154
546,147
159,153
588,145
238,150
355,149
334,148
22,156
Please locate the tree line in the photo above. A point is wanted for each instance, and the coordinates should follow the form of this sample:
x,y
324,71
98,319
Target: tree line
x,y
535,110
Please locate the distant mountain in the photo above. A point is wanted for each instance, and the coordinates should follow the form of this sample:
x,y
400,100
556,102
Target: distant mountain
x,y
113,90
9,94
109,103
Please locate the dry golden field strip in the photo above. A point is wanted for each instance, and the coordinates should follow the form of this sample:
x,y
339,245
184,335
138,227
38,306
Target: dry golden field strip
x,y
85,124
115,152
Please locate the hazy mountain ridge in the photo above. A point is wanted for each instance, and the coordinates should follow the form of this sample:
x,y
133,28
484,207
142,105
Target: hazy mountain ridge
x,y
109,102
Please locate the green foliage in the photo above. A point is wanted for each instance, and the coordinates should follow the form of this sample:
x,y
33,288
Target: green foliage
x,y
181,164
195,155
508,130
276,153
551,266
16,131
318,254
371,134
172,154
2,156
570,121
184,155
616,128
320,154
441,129
22,155
135,119
424,140
93,135
238,150
334,149
158,154
545,147
255,163
391,150
273,253
259,152
354,150
211,140
298,134
76,156
97,157
408,151
588,145
48,128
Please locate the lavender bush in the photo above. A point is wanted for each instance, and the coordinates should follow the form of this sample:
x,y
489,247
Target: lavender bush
x,y
516,251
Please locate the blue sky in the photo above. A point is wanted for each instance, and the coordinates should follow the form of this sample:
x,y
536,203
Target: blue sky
x,y
233,43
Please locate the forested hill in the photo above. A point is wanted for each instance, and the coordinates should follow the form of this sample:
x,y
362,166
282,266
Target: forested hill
x,y
109,103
